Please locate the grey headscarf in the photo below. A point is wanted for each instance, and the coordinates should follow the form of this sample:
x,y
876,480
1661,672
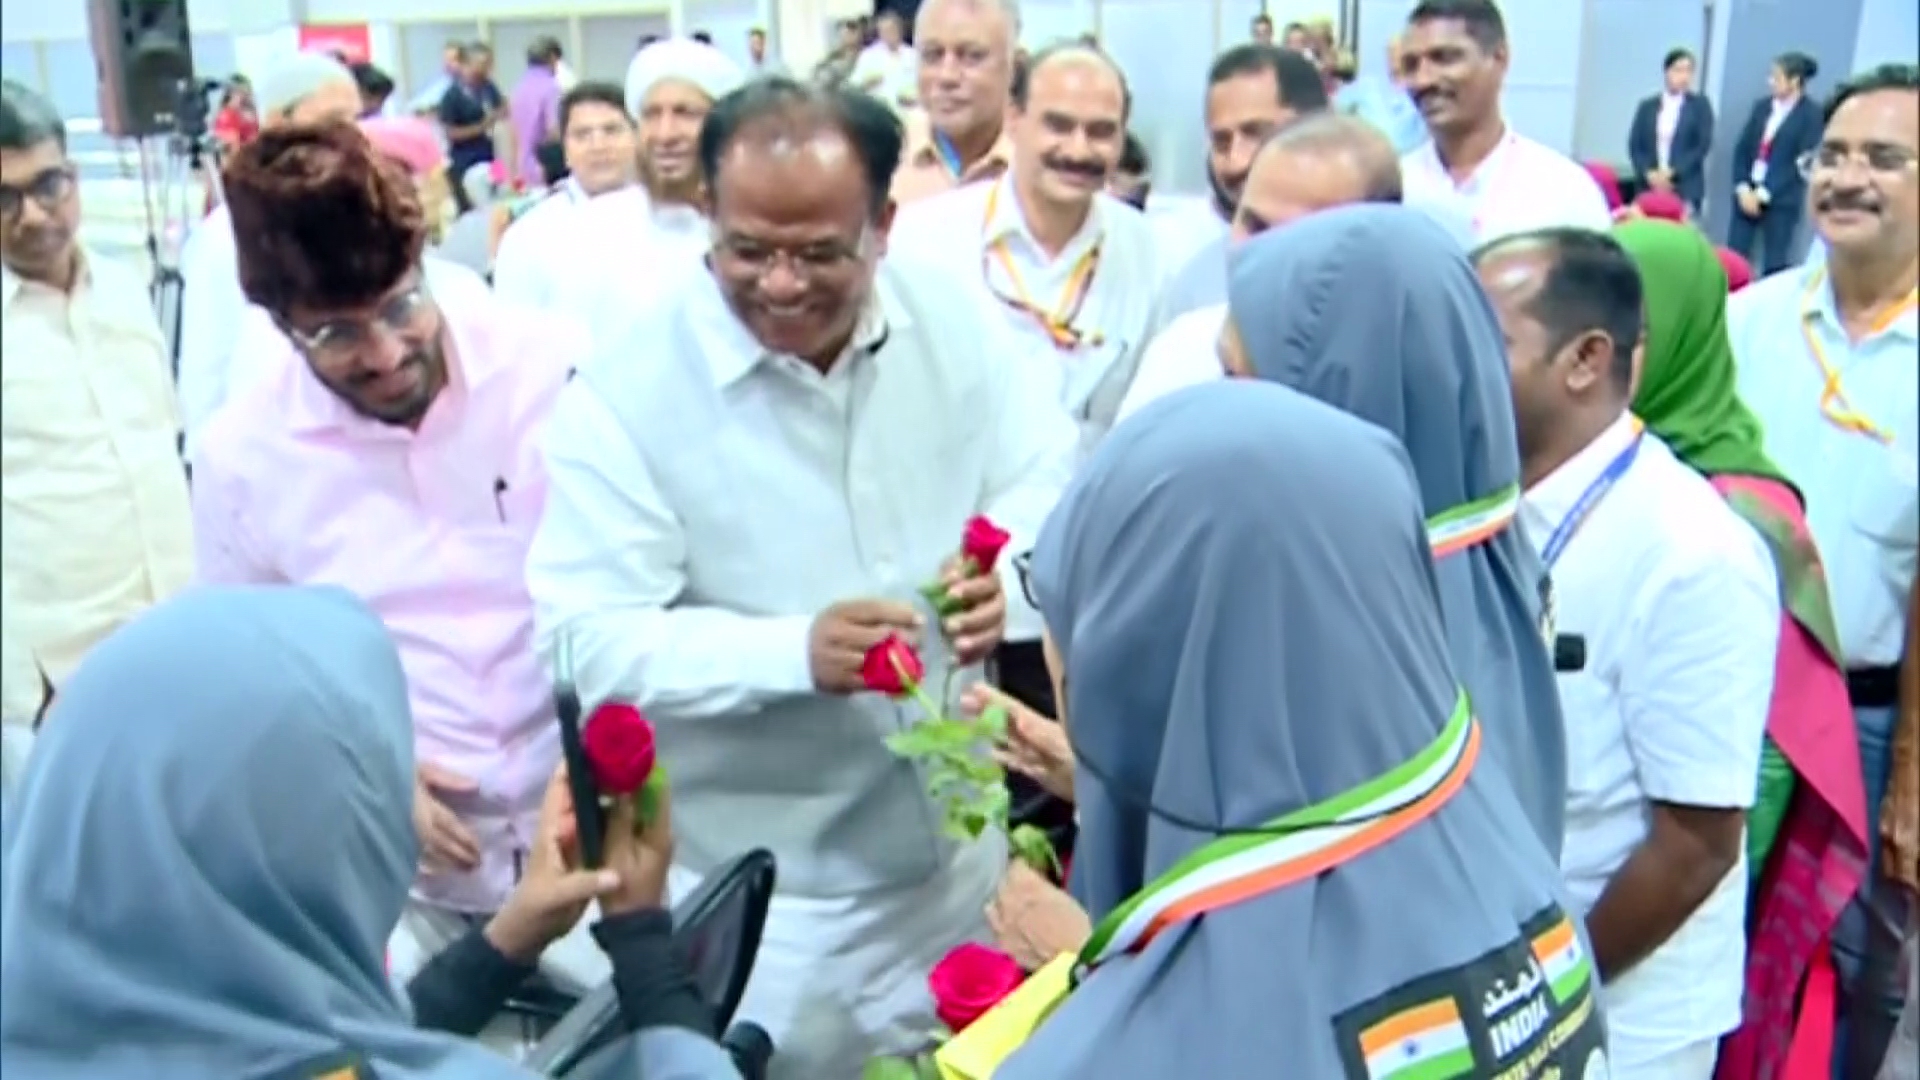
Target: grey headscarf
x,y
1375,310
1240,588
210,847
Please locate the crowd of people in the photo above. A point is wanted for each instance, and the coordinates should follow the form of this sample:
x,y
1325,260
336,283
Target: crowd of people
x,y
1444,632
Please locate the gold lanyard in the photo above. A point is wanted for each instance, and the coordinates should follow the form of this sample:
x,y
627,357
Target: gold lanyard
x,y
1833,396
1057,323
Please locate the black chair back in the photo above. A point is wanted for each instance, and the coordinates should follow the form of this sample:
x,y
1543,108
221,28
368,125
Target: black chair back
x,y
718,929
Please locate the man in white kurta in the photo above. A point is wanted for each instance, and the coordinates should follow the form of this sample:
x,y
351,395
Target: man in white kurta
x,y
783,452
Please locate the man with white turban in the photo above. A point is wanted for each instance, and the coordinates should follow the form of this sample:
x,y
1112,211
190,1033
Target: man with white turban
x,y
302,88
603,260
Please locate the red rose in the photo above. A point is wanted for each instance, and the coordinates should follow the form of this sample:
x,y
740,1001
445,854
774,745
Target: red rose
x,y
982,542
891,667
619,745
969,981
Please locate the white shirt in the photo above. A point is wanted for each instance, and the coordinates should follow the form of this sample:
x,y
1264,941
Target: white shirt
x,y
1665,123
979,233
1863,495
1183,225
1522,186
212,312
96,522
895,69
1676,598
1185,353
708,500
597,259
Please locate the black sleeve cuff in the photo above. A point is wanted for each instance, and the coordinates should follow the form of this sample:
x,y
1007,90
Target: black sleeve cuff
x,y
463,988
650,977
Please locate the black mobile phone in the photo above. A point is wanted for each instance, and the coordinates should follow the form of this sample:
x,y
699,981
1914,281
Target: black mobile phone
x,y
590,823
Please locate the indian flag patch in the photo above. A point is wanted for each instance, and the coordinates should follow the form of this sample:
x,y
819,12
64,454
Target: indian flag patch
x,y
1425,1042
1563,960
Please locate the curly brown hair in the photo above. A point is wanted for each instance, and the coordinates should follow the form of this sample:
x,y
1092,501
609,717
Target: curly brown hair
x,y
321,219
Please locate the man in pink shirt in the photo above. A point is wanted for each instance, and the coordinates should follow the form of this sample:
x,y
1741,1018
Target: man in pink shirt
x,y
395,452
535,110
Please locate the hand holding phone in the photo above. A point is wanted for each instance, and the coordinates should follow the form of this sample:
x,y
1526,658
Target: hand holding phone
x,y
590,822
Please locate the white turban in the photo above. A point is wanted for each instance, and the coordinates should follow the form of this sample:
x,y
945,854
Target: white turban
x,y
295,78
685,59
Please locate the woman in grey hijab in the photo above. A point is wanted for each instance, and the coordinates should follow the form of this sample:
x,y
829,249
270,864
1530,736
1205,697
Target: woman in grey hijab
x,y
1375,310
210,847
1297,863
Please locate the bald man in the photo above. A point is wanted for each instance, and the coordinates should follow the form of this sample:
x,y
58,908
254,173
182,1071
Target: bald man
x,y
302,88
1318,161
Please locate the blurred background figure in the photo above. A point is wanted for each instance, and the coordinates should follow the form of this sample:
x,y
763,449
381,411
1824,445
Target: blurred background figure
x,y
1671,134
1769,192
236,121
376,88
1132,177
1261,30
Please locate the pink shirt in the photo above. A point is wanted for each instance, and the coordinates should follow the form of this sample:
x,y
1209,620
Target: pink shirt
x,y
430,529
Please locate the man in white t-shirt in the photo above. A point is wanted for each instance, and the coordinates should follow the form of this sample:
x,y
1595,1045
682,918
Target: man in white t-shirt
x,y
886,69
1675,598
1453,60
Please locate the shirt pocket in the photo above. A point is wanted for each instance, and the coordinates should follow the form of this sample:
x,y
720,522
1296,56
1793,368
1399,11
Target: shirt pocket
x,y
1886,497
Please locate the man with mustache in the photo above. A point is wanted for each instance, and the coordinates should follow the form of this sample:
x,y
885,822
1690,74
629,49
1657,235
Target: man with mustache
x,y
1073,270
1827,357
965,73
1453,60
394,451
748,488
1252,91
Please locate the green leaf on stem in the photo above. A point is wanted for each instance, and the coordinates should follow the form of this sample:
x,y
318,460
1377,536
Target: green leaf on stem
x,y
937,739
937,595
1031,846
890,1068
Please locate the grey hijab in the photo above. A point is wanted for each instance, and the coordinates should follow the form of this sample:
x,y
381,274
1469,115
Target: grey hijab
x,y
211,844
1240,588
1375,310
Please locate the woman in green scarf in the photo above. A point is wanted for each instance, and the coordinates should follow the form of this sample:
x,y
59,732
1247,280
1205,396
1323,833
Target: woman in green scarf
x,y
1807,832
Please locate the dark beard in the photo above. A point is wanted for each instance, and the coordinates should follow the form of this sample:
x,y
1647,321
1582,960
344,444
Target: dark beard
x,y
1224,203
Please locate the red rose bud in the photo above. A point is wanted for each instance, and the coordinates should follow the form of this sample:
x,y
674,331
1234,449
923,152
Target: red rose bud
x,y
982,542
969,981
619,745
891,667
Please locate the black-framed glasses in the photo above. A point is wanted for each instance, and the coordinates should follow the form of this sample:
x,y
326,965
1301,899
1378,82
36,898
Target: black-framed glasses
x,y
49,189
1023,569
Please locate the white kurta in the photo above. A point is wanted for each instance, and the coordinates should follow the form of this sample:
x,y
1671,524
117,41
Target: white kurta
x,y
707,501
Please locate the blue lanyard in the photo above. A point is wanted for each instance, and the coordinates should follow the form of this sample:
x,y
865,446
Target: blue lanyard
x,y
1589,499
949,154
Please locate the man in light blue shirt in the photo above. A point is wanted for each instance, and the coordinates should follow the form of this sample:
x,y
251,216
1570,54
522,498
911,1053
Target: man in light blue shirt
x,y
1827,358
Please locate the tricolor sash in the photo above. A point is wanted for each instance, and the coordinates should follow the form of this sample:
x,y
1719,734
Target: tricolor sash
x,y
1293,847
1464,526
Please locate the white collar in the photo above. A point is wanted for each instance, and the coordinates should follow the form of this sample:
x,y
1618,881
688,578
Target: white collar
x,y
1554,495
1004,219
732,352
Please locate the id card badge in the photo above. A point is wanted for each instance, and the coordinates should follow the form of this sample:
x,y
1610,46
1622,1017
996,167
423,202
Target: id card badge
x,y
1757,175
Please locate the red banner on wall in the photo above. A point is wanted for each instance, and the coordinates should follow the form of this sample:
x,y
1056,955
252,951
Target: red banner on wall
x,y
350,40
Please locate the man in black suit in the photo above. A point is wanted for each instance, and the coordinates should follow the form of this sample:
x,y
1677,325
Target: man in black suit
x,y
1769,191
1671,134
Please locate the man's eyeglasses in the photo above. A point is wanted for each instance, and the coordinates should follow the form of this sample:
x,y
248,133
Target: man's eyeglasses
x,y
343,339
811,260
1023,568
49,189
1882,158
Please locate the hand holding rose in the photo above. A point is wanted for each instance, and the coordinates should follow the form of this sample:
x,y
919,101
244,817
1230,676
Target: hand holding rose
x,y
554,892
972,605
843,634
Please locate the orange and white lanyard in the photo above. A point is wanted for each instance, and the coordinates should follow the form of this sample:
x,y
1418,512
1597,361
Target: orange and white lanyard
x,y
1057,322
1833,396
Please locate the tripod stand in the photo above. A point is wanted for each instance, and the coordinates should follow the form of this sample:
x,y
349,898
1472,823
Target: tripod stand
x,y
170,167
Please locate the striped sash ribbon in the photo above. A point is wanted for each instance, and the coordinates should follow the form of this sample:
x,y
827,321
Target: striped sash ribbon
x,y
1464,526
1294,847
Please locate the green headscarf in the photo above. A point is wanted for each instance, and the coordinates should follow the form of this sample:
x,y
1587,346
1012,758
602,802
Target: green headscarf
x,y
1687,396
1686,393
